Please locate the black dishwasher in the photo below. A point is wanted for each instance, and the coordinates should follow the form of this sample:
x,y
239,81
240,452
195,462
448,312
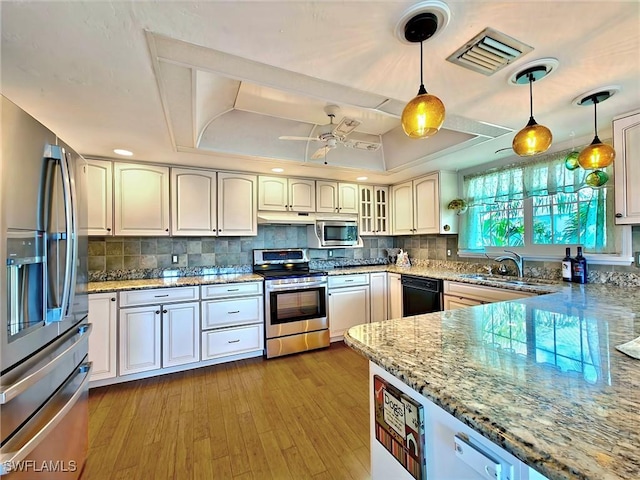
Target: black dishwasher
x,y
420,295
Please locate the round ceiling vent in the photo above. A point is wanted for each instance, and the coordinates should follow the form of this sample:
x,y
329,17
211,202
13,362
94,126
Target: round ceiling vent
x,y
431,17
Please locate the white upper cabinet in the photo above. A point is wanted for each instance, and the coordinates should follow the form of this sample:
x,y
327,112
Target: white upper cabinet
x,y
626,141
420,206
286,194
237,204
374,210
100,199
141,199
333,197
193,202
402,209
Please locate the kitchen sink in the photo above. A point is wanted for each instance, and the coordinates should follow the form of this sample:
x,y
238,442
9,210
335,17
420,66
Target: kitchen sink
x,y
506,280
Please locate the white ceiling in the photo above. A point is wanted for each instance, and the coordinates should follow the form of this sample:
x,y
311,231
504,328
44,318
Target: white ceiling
x,y
214,84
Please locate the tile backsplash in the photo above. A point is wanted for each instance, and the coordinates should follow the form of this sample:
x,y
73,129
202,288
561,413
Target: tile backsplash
x,y
130,253
107,254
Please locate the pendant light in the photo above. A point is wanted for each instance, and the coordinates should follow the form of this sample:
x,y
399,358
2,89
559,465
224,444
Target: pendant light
x,y
423,116
533,138
597,155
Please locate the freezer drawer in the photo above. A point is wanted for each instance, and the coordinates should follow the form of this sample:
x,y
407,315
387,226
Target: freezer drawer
x,y
25,388
54,442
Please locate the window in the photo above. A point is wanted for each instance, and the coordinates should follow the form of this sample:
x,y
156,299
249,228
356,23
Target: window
x,y
537,204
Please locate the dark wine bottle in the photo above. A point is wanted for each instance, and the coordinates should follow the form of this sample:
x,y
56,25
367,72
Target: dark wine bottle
x,y
579,268
567,266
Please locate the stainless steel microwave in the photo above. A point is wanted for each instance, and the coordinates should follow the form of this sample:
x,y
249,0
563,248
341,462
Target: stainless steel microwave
x,y
334,234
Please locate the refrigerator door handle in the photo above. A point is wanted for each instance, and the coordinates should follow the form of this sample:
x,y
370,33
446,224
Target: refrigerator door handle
x,y
22,385
72,235
69,220
7,460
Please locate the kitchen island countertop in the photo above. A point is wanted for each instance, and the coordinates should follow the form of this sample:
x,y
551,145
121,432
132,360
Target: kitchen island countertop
x,y
539,377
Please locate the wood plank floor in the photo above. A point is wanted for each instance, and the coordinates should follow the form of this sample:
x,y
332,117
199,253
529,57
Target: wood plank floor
x,y
296,417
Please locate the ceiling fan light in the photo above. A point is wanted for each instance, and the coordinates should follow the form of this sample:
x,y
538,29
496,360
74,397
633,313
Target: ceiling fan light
x,y
423,116
532,139
596,155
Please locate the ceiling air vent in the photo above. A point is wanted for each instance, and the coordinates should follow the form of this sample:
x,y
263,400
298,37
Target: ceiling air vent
x,y
488,52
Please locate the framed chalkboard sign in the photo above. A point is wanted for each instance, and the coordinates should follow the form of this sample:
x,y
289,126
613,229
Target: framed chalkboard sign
x,y
400,427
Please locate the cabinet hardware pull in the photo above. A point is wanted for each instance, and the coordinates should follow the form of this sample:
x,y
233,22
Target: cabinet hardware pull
x,y
233,341
164,311
232,289
158,296
113,299
348,281
166,229
618,215
157,312
235,311
108,229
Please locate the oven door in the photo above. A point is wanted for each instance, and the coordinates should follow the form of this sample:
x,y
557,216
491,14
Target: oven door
x,y
292,309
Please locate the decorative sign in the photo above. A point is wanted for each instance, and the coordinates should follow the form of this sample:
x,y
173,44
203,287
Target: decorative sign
x,y
400,427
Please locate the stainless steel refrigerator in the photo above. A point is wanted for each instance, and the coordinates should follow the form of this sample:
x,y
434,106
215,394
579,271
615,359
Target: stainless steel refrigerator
x,y
44,371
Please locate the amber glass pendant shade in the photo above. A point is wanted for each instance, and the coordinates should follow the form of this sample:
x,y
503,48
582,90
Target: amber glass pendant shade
x,y
423,116
596,155
532,139
596,179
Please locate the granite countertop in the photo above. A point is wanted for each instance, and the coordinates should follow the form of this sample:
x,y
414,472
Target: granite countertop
x,y
442,273
143,284
539,376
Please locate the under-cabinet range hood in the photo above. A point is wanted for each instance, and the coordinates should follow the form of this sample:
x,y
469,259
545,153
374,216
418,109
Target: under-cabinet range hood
x,y
286,218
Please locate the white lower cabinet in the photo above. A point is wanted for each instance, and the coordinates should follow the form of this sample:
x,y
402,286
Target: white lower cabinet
x,y
103,315
159,336
180,334
139,339
349,303
231,341
232,319
156,335
379,296
460,295
395,295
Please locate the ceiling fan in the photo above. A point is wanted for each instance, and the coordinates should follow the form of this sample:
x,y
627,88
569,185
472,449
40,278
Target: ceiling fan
x,y
335,134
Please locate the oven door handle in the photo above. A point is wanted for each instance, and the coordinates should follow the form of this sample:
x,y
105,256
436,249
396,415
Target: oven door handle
x,y
295,286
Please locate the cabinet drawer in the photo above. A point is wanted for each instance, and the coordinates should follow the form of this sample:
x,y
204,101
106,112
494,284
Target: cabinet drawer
x,y
158,296
225,290
483,294
231,341
224,313
348,280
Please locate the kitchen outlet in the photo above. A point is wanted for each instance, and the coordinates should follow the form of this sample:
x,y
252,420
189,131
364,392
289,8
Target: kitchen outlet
x,y
174,259
330,253
448,252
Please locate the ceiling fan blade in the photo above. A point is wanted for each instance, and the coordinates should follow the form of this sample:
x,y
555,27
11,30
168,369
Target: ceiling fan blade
x,y
345,127
360,145
306,139
321,152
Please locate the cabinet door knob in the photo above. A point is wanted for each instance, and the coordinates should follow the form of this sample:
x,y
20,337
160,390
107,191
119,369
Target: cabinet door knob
x,y
108,229
166,229
618,215
113,299
164,311
157,312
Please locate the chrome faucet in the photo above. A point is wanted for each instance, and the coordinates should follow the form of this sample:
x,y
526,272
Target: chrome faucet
x,y
515,258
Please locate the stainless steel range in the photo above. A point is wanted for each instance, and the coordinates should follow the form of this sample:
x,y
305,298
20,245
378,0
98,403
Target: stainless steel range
x,y
295,301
